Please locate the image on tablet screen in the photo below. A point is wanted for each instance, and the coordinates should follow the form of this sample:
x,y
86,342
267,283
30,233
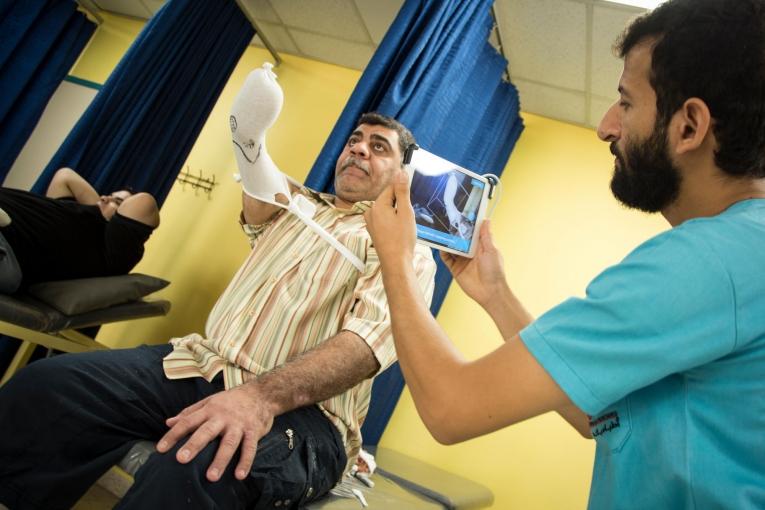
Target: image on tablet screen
x,y
445,202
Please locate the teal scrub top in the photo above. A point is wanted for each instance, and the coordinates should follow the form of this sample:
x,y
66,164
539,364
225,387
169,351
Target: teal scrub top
x,y
666,353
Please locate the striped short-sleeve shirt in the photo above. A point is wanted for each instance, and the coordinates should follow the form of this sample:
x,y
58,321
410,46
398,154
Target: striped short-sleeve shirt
x,y
293,292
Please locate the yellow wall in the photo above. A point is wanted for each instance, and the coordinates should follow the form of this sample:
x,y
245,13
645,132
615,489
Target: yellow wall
x,y
105,49
557,226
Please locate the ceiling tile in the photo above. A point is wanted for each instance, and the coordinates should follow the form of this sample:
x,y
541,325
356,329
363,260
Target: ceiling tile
x,y
261,10
153,5
598,108
551,102
337,18
278,37
607,24
545,40
378,16
127,7
334,51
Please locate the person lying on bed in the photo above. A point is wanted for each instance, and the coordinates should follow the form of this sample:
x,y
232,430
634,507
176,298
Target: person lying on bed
x,y
71,232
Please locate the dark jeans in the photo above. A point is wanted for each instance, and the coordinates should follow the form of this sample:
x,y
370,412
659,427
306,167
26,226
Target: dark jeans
x,y
66,420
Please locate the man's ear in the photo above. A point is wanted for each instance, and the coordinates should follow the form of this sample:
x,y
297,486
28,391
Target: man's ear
x,y
690,126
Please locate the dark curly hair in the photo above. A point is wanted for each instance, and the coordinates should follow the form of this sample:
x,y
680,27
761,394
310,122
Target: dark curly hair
x,y
713,50
405,137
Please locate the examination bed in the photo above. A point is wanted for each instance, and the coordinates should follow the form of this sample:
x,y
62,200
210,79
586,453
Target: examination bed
x,y
49,314
400,482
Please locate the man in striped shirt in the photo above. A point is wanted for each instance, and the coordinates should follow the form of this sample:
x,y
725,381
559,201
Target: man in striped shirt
x,y
265,409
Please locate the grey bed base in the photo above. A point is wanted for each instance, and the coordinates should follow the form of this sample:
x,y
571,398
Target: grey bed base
x,y
35,323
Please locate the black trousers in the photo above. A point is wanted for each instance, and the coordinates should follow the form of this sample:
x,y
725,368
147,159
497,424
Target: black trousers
x,y
66,420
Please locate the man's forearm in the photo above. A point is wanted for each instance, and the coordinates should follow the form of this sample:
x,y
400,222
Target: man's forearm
x,y
68,183
508,313
333,367
424,352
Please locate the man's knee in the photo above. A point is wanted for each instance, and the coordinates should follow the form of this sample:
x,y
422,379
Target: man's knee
x,y
162,479
167,467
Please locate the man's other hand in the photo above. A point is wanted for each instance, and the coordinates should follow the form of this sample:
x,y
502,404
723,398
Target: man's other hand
x,y
240,416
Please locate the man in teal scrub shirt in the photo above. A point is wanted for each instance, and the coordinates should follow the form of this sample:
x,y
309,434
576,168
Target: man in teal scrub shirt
x,y
663,361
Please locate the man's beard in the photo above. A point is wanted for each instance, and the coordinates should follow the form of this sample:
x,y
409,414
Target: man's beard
x,y
645,178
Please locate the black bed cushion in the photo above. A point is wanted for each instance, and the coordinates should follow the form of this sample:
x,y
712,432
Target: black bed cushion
x,y
73,297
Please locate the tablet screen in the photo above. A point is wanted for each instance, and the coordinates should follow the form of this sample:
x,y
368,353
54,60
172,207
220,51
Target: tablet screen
x,y
446,199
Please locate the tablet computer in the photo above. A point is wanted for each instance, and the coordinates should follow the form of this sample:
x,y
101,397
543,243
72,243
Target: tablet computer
x,y
449,202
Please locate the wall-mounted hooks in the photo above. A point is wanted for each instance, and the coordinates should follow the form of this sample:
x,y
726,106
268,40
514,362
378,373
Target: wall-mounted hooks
x,y
197,182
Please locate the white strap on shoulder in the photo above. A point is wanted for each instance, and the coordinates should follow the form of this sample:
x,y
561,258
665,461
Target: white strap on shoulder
x,y
303,209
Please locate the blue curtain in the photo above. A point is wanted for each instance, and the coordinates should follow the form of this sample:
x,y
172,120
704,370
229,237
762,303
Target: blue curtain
x,y
40,41
435,72
142,124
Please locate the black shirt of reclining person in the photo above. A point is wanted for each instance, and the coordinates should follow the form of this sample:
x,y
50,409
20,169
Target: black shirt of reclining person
x,y
59,239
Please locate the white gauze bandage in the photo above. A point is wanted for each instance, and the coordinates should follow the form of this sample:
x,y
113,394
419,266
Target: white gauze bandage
x,y
254,111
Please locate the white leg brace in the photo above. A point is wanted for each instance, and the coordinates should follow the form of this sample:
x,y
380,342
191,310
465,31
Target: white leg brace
x,y
255,109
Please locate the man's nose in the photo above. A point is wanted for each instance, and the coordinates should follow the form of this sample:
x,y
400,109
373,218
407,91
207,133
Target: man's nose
x,y
610,127
360,148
